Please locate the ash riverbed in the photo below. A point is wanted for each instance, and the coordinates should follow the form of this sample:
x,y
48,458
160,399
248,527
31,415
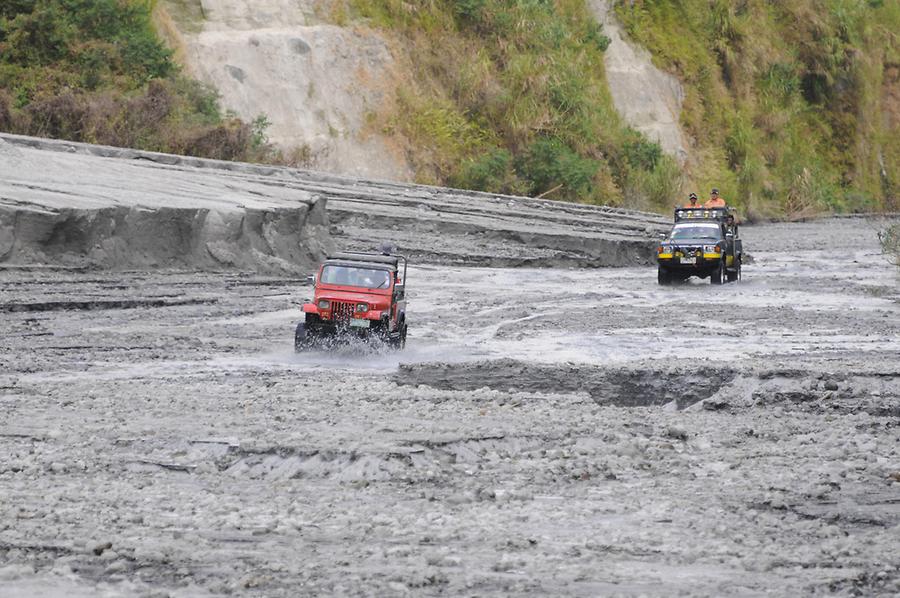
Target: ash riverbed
x,y
556,432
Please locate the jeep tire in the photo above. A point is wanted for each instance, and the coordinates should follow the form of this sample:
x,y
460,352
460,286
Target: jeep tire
x,y
735,275
715,277
302,338
663,277
399,341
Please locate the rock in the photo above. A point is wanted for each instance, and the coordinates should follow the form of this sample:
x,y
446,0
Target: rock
x,y
715,405
677,433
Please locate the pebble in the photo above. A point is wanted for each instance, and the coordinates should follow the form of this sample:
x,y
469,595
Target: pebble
x,y
677,433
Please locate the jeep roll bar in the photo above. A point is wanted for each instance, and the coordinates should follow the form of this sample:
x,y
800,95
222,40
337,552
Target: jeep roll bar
x,y
378,258
717,214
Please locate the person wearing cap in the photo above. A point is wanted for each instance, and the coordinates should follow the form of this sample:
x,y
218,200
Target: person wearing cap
x,y
714,200
730,222
692,201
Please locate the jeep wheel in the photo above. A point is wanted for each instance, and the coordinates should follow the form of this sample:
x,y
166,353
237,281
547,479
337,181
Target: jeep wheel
x,y
400,341
736,275
663,277
716,276
302,338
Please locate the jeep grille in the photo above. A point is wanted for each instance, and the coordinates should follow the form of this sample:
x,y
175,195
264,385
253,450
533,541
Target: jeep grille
x,y
341,311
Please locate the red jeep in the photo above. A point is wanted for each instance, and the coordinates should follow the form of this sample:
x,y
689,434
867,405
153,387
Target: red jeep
x,y
356,295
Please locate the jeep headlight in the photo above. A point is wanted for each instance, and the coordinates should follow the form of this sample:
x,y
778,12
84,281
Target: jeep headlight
x,y
324,304
362,307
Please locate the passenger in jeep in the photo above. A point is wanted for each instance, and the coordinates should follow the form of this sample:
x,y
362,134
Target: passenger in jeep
x,y
346,276
714,200
692,201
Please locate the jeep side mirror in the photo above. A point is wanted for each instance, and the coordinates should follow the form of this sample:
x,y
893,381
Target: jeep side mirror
x,y
662,236
311,280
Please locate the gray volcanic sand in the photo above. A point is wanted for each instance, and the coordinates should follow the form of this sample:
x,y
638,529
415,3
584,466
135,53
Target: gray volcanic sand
x,y
554,432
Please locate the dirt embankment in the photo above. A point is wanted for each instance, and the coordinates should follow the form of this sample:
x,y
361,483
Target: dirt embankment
x,y
111,208
77,204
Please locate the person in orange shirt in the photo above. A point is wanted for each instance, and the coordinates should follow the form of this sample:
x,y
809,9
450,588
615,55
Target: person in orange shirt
x,y
714,200
692,201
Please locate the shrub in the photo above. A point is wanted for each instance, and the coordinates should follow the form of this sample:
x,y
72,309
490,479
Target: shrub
x,y
6,111
659,187
227,141
641,153
491,171
550,167
94,71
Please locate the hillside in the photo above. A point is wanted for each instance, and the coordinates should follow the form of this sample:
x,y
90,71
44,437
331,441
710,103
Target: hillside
x,y
522,106
790,108
96,71
791,105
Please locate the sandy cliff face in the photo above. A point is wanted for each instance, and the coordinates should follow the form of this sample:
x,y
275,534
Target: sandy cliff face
x,y
314,82
647,98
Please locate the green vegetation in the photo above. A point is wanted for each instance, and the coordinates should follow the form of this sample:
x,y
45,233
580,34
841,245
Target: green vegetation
x,y
795,106
95,71
509,96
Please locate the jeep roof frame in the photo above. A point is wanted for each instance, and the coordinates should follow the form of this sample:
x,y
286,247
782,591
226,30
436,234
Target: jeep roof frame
x,y
717,214
363,258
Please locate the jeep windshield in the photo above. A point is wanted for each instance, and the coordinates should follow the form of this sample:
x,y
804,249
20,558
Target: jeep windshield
x,y
696,231
350,276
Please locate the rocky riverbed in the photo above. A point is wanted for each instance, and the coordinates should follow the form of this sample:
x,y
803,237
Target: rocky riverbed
x,y
546,431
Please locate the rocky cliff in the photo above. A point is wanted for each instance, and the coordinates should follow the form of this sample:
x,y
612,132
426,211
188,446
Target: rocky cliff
x,y
313,81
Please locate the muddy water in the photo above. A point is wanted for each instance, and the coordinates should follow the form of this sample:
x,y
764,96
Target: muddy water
x,y
561,432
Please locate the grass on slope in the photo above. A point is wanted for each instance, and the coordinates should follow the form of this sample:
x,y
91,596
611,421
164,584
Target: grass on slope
x,y
510,96
95,71
795,106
